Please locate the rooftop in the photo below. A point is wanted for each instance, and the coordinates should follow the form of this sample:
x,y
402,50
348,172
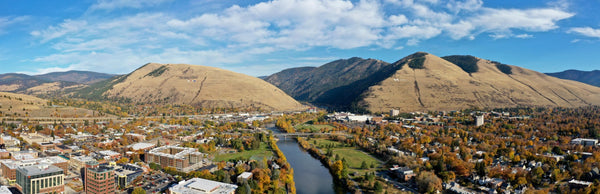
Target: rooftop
x,y
108,153
174,151
200,186
39,169
140,146
245,175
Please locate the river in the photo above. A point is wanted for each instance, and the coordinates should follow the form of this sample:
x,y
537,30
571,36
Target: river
x,y
309,174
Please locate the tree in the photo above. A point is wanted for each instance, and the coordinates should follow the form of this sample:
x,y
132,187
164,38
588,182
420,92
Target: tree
x,y
138,190
428,182
337,167
378,187
363,165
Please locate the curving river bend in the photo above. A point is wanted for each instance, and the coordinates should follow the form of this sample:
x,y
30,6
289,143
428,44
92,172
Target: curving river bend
x,y
310,175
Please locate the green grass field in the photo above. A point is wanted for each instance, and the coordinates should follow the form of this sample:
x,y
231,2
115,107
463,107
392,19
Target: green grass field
x,y
312,128
263,151
353,156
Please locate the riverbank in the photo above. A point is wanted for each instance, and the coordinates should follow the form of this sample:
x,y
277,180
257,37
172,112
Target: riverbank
x,y
337,168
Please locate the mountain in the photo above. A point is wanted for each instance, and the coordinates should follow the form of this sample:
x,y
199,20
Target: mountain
x,y
203,86
588,77
422,81
312,83
14,82
50,83
21,105
81,77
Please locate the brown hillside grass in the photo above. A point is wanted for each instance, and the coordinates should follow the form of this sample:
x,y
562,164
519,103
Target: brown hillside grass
x,y
445,86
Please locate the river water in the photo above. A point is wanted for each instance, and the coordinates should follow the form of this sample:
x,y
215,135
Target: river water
x,y
309,174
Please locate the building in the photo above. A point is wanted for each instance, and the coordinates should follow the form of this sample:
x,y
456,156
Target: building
x,y
9,141
126,173
394,112
142,146
5,190
244,177
202,186
579,184
63,149
479,120
24,155
99,178
109,155
44,146
584,141
181,158
40,178
32,138
9,167
404,173
78,162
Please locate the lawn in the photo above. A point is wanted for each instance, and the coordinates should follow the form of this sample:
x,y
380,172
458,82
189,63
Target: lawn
x,y
258,154
353,155
321,143
312,128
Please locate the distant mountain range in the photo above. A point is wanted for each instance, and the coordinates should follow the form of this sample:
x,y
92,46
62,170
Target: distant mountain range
x,y
422,81
588,77
51,82
418,82
81,77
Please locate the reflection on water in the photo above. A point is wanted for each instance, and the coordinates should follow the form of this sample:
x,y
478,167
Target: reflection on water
x,y
309,174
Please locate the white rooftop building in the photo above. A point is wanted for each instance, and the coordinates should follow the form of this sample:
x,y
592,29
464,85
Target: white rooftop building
x,y
142,146
202,186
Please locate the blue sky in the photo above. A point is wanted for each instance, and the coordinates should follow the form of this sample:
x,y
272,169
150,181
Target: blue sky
x,y
264,37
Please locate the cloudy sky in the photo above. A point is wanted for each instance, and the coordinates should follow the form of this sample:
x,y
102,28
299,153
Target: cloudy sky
x,y
264,37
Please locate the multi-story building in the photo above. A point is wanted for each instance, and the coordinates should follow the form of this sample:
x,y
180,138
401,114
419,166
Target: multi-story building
x,y
181,158
9,167
78,162
99,178
126,173
202,186
32,138
41,178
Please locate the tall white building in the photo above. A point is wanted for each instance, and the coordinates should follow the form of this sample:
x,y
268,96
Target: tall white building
x,y
479,120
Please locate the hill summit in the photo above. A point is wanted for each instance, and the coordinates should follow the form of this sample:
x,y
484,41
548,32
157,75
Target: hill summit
x,y
192,85
422,81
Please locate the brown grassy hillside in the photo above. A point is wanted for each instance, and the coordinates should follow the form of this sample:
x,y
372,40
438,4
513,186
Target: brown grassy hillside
x,y
441,85
198,85
22,106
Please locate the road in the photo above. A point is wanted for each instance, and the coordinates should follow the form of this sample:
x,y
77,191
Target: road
x,y
402,186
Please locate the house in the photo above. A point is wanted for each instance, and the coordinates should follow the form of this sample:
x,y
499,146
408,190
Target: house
x,y
244,177
577,184
109,155
404,173
584,141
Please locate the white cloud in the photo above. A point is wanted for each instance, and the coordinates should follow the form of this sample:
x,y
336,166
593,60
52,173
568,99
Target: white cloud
x,y
239,33
293,24
535,20
118,4
586,31
467,5
8,21
524,36
52,32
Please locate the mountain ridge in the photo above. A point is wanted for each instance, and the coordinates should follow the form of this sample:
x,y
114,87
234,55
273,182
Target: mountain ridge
x,y
422,82
196,85
588,77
